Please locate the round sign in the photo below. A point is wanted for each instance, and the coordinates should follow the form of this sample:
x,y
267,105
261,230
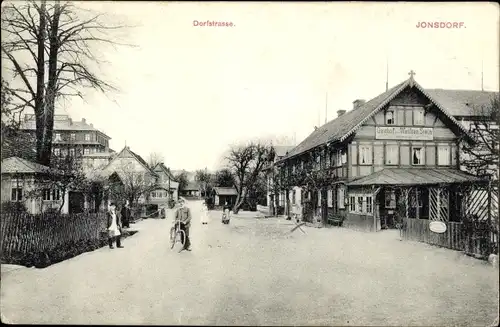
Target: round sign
x,y
437,227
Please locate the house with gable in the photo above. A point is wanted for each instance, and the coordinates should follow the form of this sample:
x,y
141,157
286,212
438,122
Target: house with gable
x,y
130,170
167,187
395,155
21,182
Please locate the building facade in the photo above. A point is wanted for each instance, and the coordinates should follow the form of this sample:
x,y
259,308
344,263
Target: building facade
x,y
396,155
71,137
28,183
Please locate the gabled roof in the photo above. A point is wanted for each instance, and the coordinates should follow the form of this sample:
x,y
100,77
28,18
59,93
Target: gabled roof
x,y
192,186
135,156
344,126
160,167
419,176
225,191
15,165
462,103
282,150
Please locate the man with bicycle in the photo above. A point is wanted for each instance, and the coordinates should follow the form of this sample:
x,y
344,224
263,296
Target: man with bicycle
x,y
183,214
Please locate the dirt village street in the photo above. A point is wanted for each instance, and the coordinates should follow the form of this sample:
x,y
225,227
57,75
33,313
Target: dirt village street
x,y
255,272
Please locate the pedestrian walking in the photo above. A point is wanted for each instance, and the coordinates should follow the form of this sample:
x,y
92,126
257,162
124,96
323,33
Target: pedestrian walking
x,y
126,215
183,214
114,226
204,213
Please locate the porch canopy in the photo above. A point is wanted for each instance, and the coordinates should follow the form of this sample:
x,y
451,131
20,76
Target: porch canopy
x,y
416,176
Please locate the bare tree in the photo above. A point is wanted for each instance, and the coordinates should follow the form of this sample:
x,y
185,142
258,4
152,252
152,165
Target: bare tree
x,y
62,34
127,184
224,178
482,157
65,174
154,159
182,179
247,162
205,179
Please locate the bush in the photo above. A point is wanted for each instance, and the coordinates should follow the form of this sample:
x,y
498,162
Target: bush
x,y
13,207
52,211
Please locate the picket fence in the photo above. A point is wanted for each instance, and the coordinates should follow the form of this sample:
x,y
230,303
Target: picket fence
x,y
25,233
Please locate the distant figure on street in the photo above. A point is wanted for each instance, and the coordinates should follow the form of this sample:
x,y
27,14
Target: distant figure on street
x,y
204,213
126,213
183,214
114,226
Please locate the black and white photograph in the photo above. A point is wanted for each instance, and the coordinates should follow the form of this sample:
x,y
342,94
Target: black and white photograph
x,y
250,163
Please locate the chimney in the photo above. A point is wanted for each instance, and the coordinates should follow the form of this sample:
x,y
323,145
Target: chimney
x,y
84,121
70,121
340,112
91,125
358,103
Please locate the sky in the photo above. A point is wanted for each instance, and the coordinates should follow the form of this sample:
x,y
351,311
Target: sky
x,y
190,92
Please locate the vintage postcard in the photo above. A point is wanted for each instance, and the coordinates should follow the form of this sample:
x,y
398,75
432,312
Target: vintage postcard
x,y
250,163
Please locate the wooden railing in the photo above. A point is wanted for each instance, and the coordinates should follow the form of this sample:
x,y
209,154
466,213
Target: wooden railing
x,y
479,239
418,230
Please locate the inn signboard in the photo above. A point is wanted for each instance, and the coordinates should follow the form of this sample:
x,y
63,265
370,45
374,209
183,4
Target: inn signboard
x,y
404,133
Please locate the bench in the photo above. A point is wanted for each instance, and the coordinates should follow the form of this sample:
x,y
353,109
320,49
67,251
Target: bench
x,y
335,220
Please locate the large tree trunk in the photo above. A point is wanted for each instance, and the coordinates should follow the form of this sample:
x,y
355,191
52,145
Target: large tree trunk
x,y
40,86
52,85
240,198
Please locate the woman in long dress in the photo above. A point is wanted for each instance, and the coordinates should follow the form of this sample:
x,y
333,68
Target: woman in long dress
x,y
204,214
114,226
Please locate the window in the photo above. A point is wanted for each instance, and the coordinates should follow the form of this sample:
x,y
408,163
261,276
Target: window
x,y
389,117
330,198
332,159
418,117
294,193
73,136
417,157
343,156
352,203
359,207
16,194
390,199
391,154
56,195
72,152
57,152
365,154
369,204
319,199
86,151
58,137
87,137
64,152
318,161
444,155
46,195
341,197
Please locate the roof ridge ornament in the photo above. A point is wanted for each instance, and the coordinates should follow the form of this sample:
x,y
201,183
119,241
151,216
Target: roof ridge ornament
x,y
412,80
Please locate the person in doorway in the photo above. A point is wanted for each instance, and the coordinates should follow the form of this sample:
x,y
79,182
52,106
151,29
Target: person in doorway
x,y
126,213
183,214
114,226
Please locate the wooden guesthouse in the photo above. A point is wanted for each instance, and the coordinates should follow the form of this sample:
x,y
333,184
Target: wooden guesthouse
x,y
393,157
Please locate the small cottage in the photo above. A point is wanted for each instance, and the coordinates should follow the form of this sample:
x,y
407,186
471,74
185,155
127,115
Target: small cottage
x,y
26,182
222,195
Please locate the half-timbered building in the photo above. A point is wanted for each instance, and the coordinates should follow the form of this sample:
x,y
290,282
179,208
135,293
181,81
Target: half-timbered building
x,y
397,155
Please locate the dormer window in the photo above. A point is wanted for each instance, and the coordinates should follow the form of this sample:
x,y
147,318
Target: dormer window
x,y
389,117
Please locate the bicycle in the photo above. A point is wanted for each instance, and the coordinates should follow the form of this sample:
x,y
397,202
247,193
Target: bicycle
x,y
177,235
